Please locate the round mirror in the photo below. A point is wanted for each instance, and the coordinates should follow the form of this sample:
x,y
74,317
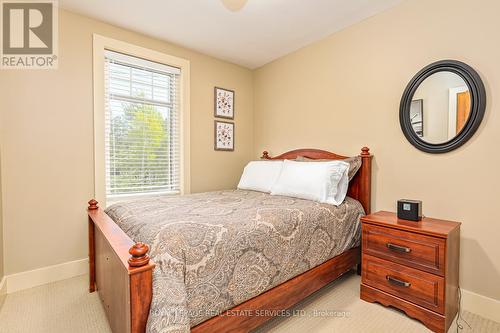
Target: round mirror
x,y
442,106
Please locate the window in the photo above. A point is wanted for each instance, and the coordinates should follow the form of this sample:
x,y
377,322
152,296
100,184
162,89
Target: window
x,y
142,136
141,121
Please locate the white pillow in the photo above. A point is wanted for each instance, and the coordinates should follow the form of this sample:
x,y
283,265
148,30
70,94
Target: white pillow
x,y
260,175
325,182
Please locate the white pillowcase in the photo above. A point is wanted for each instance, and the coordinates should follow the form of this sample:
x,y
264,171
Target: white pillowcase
x,y
325,182
260,175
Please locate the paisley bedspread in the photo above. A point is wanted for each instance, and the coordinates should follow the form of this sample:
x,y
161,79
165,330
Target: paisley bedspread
x,y
216,250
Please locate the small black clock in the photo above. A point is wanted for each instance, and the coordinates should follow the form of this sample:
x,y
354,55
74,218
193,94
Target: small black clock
x,y
410,210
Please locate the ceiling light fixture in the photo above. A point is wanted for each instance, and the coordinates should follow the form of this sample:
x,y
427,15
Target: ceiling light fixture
x,y
234,5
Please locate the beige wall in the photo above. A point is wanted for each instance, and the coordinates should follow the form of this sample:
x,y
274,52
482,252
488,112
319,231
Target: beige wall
x,y
46,136
343,92
1,229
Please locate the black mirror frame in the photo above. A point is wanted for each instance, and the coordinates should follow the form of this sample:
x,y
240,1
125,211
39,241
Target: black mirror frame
x,y
478,105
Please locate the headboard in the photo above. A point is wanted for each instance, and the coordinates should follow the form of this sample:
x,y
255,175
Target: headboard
x,y
359,187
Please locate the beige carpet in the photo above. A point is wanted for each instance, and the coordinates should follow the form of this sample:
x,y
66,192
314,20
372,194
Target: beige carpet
x,y
67,307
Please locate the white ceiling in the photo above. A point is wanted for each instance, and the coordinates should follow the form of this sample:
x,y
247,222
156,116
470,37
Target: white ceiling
x,y
262,31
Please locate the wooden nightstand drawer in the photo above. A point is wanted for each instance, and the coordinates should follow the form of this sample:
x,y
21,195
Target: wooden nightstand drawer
x,y
412,266
421,288
411,249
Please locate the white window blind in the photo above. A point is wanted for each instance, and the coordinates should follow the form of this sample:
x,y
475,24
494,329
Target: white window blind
x,y
142,144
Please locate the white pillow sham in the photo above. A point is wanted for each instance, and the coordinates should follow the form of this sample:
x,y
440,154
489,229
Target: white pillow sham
x,y
260,175
325,182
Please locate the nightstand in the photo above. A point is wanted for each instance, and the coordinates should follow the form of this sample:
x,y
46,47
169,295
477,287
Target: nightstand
x,y
412,266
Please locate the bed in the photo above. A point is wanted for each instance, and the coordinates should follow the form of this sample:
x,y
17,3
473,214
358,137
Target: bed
x,y
225,261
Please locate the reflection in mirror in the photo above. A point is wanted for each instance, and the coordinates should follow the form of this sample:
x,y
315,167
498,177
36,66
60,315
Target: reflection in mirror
x,y
440,107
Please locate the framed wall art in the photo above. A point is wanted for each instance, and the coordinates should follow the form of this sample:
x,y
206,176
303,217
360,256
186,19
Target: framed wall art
x,y
223,135
223,103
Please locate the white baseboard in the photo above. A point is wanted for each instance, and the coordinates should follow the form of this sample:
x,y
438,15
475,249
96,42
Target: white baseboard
x,y
3,286
44,275
3,290
484,306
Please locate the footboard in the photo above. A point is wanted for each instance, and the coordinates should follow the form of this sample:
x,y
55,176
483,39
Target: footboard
x,y
120,270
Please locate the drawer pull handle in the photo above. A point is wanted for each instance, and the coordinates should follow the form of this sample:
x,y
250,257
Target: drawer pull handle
x,y
398,248
397,282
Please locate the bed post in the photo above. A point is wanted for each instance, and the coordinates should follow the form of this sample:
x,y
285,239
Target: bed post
x,y
364,186
121,271
141,287
92,206
365,180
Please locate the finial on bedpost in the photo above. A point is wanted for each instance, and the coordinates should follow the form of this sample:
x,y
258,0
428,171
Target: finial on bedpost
x,y
93,204
365,151
265,155
139,255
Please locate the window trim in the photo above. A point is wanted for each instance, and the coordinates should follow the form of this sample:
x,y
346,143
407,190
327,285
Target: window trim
x,y
100,44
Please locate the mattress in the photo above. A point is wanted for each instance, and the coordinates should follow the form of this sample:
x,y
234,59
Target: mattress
x,y
215,250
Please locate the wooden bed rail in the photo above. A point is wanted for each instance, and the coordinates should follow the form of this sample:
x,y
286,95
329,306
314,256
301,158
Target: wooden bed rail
x,y
120,265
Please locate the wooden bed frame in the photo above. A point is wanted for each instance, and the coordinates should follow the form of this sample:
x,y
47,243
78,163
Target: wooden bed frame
x,y
122,272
